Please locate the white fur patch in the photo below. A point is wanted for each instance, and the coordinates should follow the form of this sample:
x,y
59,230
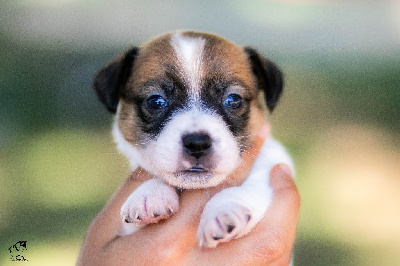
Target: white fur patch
x,y
189,52
164,157
168,149
124,146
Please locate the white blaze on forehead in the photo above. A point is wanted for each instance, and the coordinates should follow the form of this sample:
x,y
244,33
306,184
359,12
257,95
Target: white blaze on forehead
x,y
189,52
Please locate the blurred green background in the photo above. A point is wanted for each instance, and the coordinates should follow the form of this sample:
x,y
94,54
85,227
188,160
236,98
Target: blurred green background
x,y
339,116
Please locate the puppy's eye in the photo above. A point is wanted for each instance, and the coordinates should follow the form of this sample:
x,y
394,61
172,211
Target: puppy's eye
x,y
156,102
233,101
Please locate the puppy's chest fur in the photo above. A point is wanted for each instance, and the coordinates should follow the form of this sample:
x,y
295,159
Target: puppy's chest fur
x,y
187,107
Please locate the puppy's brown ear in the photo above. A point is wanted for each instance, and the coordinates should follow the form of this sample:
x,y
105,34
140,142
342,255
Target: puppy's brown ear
x,y
111,79
268,75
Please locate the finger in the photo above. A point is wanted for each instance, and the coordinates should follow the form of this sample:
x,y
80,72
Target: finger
x,y
272,238
281,178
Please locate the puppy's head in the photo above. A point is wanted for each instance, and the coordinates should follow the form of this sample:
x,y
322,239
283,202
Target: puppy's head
x,y
186,105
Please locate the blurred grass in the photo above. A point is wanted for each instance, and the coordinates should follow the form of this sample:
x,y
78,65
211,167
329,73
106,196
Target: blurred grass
x,y
350,188
338,117
54,183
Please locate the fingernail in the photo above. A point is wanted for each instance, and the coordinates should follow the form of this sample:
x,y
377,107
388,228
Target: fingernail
x,y
264,131
285,169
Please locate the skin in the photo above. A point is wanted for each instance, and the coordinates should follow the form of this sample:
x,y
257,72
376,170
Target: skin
x,y
173,241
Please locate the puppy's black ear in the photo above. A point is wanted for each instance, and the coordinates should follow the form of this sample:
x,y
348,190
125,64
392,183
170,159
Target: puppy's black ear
x,y
268,75
110,80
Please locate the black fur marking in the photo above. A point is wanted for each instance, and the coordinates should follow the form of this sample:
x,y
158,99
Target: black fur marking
x,y
179,191
248,217
269,77
213,95
217,237
110,80
154,120
230,228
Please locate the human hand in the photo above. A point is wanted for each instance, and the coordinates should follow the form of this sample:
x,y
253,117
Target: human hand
x,y
173,241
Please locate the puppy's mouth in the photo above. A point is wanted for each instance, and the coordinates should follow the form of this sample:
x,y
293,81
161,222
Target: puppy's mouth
x,y
195,167
196,170
195,174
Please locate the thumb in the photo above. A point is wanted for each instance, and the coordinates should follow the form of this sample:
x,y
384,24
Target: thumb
x,y
281,178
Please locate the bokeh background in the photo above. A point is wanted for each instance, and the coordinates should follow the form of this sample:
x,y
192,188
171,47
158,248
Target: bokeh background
x,y
339,116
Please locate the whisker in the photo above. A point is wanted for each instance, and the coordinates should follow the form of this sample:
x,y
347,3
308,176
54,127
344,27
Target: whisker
x,y
246,136
251,155
250,147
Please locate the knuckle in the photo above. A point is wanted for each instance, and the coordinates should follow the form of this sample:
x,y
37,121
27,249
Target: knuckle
x,y
275,248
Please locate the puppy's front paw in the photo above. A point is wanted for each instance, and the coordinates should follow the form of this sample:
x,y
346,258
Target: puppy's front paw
x,y
222,222
152,201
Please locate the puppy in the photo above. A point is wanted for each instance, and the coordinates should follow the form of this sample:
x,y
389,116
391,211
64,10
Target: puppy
x,y
187,105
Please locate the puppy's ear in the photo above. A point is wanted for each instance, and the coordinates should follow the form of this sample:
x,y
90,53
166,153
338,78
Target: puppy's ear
x,y
111,79
268,75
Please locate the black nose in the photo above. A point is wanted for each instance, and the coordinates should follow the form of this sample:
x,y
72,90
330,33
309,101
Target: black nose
x,y
197,144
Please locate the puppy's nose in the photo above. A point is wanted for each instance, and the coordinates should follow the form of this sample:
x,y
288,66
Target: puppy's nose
x,y
197,144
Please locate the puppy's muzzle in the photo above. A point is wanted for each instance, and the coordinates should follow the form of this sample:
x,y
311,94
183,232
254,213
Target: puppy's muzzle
x,y
197,144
